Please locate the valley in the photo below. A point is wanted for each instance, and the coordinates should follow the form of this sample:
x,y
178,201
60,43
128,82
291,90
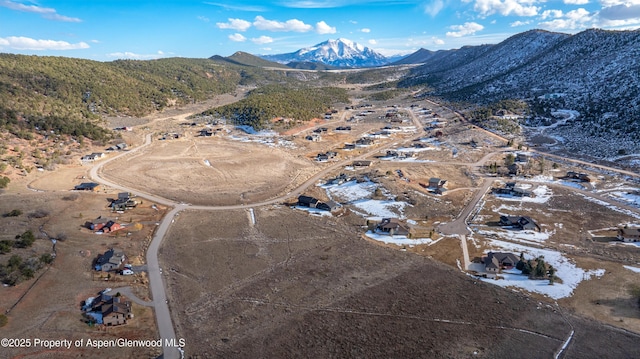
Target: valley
x,y
237,267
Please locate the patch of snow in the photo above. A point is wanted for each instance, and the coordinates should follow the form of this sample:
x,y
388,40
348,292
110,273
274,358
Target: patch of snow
x,y
610,206
381,208
398,240
631,199
633,269
570,274
352,190
519,236
314,211
206,162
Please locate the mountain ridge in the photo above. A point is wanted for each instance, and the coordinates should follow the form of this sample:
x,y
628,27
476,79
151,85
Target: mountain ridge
x,y
336,53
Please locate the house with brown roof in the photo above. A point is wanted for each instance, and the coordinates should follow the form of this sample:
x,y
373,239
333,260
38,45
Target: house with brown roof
x,y
629,233
496,261
109,310
392,226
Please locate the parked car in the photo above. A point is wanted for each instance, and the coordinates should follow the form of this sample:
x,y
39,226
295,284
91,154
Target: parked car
x,y
127,266
127,272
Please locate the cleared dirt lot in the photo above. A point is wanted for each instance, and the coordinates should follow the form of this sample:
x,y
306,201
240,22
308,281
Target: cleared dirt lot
x,y
237,172
295,285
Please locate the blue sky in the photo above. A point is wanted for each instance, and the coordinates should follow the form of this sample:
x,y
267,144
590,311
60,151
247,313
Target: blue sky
x,y
106,30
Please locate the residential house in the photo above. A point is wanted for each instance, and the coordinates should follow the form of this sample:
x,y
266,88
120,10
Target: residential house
x,y
311,202
522,157
117,147
328,206
392,226
436,184
519,222
343,128
110,260
364,141
109,310
510,189
629,233
349,146
306,201
207,132
582,177
103,225
123,202
87,186
495,261
340,179
361,163
313,137
322,157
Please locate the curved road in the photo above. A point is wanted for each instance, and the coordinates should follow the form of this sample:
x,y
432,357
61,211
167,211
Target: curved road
x,y
163,316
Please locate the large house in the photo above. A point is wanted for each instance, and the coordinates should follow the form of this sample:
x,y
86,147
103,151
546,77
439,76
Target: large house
x,y
629,233
392,226
312,202
103,225
87,186
110,260
108,310
519,222
510,189
495,261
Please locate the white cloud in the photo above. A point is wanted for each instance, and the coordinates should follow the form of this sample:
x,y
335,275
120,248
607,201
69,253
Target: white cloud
x,y
134,56
46,12
434,7
234,24
469,28
95,41
26,43
620,12
607,3
573,20
322,28
506,7
373,42
554,14
576,2
262,40
203,18
519,23
365,30
290,25
237,37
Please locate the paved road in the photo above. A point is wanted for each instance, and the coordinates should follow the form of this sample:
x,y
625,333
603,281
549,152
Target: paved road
x,y
163,316
158,291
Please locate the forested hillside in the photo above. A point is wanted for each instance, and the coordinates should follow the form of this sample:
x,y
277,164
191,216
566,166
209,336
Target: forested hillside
x,y
271,101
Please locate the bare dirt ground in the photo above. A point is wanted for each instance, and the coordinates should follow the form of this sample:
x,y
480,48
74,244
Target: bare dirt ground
x,y
295,285
211,171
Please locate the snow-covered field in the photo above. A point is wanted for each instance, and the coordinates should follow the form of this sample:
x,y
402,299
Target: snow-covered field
x,y
518,236
269,138
629,198
358,194
566,270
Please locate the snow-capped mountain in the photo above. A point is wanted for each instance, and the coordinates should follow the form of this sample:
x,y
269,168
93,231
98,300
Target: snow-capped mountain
x,y
338,53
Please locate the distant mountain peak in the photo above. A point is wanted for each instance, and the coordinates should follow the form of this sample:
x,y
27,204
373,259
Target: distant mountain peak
x,y
340,52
